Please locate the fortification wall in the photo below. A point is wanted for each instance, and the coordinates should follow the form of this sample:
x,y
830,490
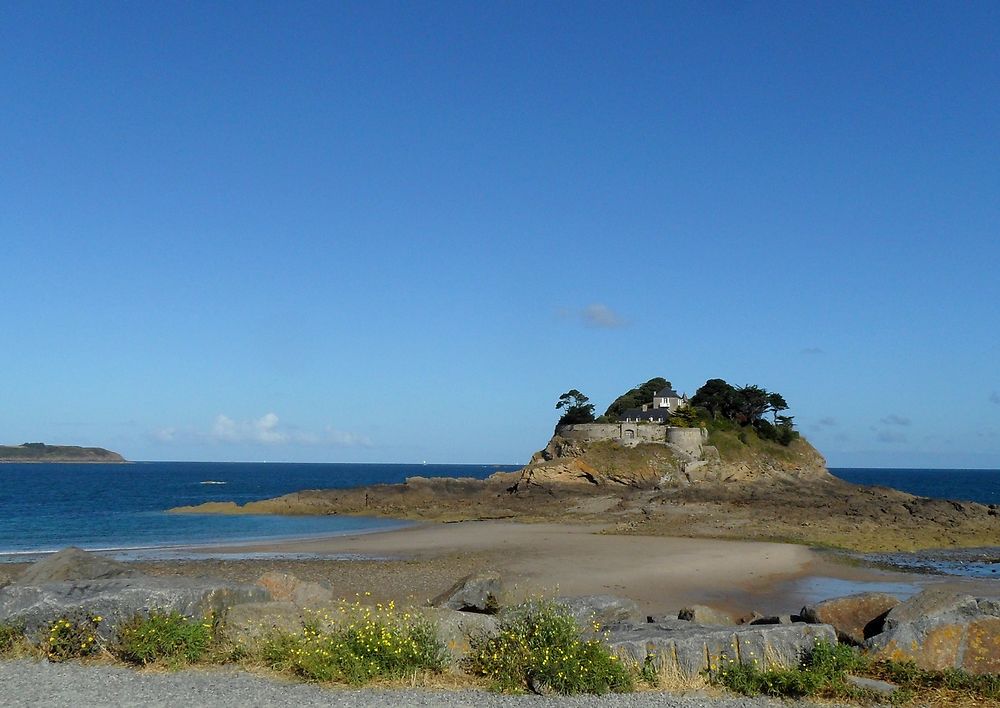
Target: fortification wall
x,y
689,440
613,431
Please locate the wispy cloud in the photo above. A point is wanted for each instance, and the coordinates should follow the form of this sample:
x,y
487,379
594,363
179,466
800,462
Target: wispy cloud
x,y
893,419
602,316
826,422
890,436
812,351
995,398
266,430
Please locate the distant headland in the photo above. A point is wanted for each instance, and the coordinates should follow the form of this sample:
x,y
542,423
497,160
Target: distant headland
x,y
40,452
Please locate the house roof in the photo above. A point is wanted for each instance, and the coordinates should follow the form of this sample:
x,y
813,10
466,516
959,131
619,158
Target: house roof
x,y
667,393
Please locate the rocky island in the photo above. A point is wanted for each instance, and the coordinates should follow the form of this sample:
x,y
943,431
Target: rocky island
x,y
657,464
40,452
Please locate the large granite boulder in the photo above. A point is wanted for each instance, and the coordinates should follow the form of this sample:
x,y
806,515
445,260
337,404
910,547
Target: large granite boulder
x,y
285,587
702,614
855,617
601,610
73,564
117,599
938,630
688,648
252,621
455,629
479,592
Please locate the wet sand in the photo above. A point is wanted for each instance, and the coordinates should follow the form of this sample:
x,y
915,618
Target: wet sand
x,y
662,574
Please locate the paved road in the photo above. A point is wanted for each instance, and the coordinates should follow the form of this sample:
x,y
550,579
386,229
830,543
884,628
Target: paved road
x,y
33,683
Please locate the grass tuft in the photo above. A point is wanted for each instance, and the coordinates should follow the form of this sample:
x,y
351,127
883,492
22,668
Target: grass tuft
x,y
168,637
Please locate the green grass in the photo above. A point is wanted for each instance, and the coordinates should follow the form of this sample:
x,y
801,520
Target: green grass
x,y
11,636
163,637
823,675
539,647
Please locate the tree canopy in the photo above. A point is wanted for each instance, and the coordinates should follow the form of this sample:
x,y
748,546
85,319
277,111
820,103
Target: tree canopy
x,y
635,397
576,408
746,406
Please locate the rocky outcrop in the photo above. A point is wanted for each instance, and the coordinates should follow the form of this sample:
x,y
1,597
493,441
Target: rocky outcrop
x,y
689,649
941,630
479,592
855,618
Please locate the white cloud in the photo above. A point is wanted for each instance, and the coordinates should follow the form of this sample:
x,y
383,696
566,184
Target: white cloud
x,y
598,315
893,419
266,430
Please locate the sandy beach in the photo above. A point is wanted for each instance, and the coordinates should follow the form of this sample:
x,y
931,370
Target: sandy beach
x,y
662,574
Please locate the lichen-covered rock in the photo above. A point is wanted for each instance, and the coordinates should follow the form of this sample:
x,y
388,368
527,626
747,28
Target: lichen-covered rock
x,y
939,630
73,564
479,592
602,610
689,648
855,617
285,587
701,614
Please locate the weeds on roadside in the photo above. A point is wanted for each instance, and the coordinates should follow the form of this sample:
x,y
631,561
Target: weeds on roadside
x,y
169,637
822,673
10,637
361,645
71,637
539,648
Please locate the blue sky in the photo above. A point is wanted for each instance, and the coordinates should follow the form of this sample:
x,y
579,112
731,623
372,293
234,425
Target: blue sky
x,y
396,232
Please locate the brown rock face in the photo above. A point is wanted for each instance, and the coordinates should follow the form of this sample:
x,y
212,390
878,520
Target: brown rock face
x,y
940,630
284,587
856,618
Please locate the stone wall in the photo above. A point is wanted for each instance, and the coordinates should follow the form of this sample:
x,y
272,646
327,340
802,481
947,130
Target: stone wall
x,y
625,432
688,440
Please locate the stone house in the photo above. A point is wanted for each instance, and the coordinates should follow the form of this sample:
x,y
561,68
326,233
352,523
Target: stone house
x,y
665,401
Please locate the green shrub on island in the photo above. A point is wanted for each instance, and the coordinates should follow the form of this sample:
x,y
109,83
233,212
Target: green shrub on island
x,y
359,646
169,637
539,647
71,637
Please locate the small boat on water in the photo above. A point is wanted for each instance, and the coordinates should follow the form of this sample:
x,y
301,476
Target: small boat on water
x,y
211,481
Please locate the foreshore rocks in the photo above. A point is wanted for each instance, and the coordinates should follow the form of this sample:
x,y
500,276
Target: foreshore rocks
x,y
942,630
856,617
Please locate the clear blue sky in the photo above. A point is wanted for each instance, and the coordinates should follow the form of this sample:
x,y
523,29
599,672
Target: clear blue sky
x,y
398,231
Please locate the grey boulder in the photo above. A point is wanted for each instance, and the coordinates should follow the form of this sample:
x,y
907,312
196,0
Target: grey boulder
x,y
117,599
73,564
479,592
687,648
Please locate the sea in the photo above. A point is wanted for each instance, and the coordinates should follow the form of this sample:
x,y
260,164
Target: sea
x,y
121,509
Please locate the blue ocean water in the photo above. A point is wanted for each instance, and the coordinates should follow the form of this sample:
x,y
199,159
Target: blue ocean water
x,y
981,486
45,507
